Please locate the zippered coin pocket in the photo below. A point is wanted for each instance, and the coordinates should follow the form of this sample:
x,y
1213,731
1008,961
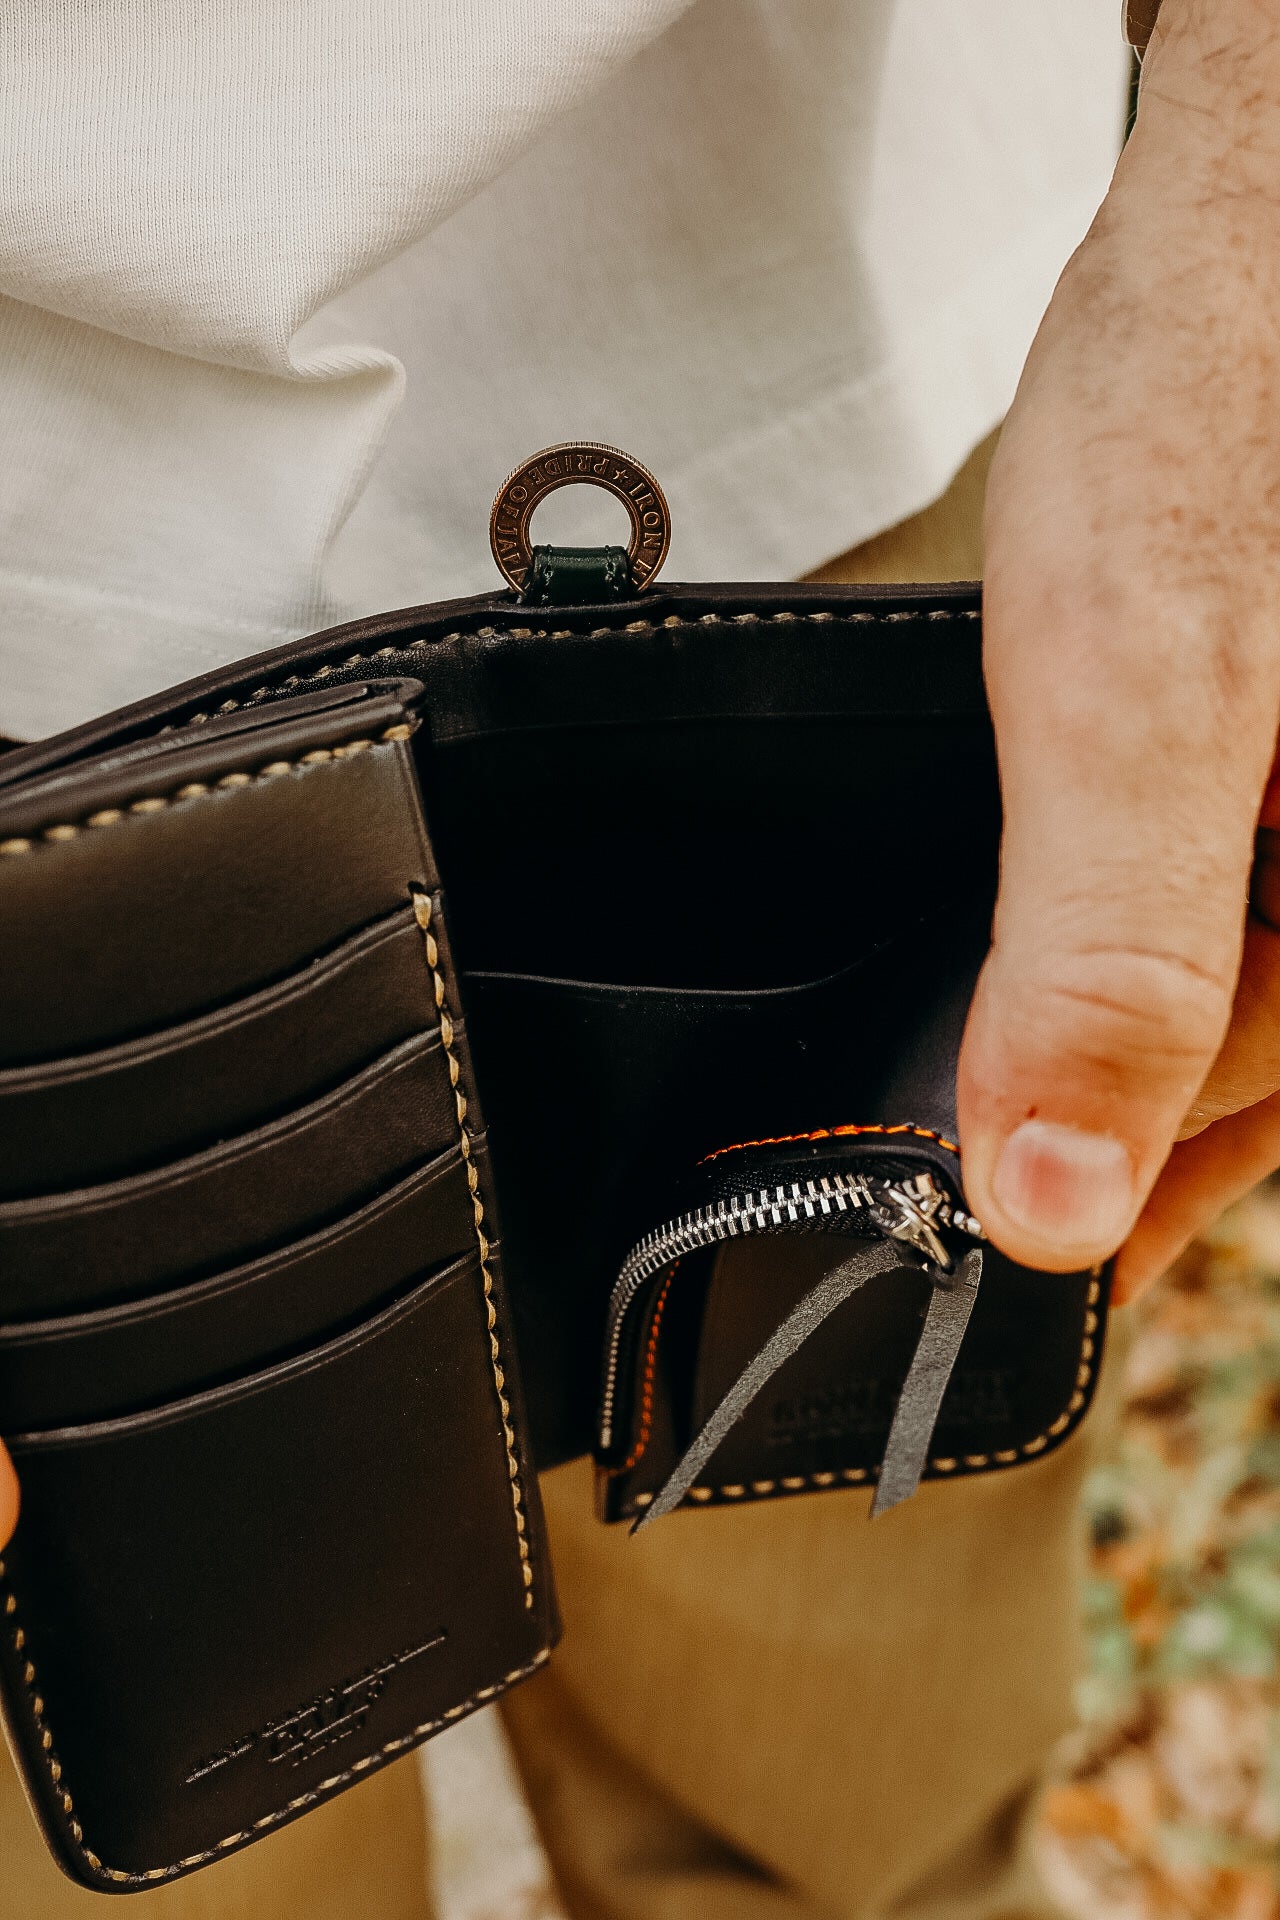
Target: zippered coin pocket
x,y
823,1312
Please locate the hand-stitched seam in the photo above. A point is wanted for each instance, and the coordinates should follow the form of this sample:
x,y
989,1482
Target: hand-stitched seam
x,y
831,1133
422,907
857,617
194,790
647,1388
151,1875
968,1463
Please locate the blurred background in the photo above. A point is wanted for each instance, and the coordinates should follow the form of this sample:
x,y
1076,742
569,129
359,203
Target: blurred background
x,y
1169,1796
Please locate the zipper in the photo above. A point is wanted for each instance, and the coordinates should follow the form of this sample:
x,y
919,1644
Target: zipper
x,y
911,1211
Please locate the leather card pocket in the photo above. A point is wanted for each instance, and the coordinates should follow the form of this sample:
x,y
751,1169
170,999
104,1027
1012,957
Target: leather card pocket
x,y
121,1359
278,1521
218,1613
97,1116
173,899
239,1198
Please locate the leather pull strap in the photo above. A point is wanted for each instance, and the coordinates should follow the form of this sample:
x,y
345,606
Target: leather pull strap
x,y
819,1304
931,1368
918,1404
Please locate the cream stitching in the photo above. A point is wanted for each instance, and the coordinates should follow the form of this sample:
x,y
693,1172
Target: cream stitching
x,y
195,790
110,817
422,908
971,1462
856,617
151,1875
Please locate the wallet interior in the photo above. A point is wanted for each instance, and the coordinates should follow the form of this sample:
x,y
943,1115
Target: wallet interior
x,y
690,861
715,867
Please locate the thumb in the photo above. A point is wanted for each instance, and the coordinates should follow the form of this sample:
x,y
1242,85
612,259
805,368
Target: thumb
x,y
1132,765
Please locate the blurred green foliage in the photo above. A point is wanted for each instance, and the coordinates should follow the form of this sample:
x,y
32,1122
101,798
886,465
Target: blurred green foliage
x,y
1171,1803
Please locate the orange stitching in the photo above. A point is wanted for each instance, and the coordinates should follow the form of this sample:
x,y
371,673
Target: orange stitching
x,y
831,1133
646,1392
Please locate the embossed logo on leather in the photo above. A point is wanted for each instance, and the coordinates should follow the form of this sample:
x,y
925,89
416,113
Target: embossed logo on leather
x,y
977,1396
319,1723
862,1406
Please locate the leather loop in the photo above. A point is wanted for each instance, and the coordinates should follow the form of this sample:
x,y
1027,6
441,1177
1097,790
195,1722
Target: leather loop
x,y
578,577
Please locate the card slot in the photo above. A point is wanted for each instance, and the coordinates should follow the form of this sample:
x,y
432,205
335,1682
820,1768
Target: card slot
x,y
241,1596
98,1116
92,1366
231,1202
181,897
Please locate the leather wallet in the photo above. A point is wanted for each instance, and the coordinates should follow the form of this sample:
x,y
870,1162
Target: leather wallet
x,y
463,1040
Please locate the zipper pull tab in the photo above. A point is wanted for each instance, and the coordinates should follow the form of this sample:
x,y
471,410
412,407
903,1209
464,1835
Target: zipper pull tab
x,y
912,1210
579,576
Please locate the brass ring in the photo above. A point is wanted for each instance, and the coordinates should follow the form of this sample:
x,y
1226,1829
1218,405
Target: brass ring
x,y
589,463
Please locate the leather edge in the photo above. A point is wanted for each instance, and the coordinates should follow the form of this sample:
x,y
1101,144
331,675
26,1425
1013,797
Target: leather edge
x,y
78,1861
327,653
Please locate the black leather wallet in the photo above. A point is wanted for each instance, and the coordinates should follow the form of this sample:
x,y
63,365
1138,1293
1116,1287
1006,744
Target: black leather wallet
x,y
581,982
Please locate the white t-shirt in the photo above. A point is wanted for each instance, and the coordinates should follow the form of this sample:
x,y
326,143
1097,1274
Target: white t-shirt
x,y
290,285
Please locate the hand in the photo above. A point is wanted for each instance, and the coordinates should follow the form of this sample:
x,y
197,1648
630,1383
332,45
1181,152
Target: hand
x,y
1132,998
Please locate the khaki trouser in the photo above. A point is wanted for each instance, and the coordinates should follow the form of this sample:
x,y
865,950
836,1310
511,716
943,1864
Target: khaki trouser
x,y
774,1713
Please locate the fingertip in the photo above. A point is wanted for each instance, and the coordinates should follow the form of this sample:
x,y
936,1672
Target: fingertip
x,y
1203,1176
1132,1278
1161,1237
9,1498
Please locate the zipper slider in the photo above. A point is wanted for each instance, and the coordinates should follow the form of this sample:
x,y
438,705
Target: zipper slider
x,y
919,1205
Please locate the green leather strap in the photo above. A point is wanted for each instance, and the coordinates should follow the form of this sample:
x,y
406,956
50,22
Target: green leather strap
x,y
578,577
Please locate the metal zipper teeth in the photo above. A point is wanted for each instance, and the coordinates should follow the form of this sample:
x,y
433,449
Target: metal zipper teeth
x,y
759,1211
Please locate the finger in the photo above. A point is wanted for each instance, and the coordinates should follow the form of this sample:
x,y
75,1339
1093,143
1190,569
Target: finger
x,y
8,1498
1202,1177
1247,1069
1135,740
